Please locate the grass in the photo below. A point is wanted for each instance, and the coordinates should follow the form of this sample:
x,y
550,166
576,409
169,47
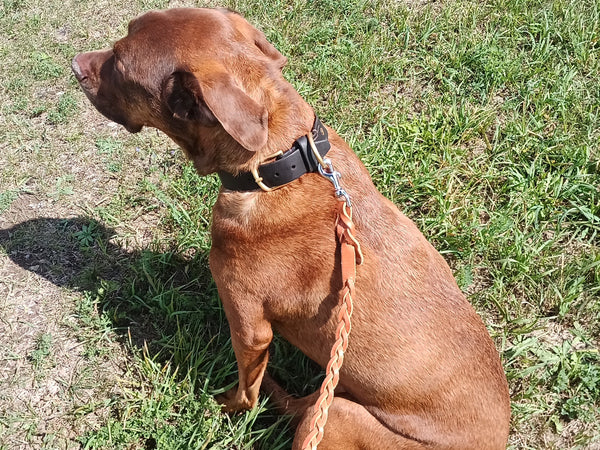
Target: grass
x,y
42,355
480,120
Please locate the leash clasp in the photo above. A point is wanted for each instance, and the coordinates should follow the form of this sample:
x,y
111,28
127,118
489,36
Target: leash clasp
x,y
326,170
334,176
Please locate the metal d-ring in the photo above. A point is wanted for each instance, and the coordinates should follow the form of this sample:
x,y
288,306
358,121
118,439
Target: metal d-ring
x,y
258,180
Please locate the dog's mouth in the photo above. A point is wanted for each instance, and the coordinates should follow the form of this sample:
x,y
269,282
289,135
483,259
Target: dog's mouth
x,y
115,117
76,68
133,128
107,109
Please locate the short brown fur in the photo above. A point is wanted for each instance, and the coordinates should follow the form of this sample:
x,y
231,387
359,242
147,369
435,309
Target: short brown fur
x,y
421,370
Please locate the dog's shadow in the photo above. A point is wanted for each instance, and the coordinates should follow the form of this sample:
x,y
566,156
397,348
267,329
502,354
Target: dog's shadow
x,y
79,254
149,296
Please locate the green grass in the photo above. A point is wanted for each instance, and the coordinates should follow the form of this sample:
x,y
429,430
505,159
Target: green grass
x,y
480,120
42,355
6,199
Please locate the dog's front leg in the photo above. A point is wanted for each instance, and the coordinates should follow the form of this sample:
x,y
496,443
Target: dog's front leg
x,y
250,340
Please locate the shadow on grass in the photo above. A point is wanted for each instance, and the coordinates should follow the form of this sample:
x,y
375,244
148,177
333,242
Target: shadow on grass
x,y
139,290
158,300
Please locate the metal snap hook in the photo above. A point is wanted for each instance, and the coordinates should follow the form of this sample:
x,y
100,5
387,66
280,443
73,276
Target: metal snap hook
x,y
334,176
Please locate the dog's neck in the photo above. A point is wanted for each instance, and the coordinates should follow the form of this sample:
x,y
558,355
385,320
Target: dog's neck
x,y
290,117
283,167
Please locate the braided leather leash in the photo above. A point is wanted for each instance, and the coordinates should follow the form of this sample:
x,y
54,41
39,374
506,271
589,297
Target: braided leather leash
x,y
350,256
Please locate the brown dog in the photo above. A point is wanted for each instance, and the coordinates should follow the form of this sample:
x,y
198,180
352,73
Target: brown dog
x,y
421,370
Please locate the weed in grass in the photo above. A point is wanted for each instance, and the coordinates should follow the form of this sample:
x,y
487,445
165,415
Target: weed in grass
x,y
6,198
41,356
115,167
112,150
88,234
63,186
94,319
108,146
44,67
64,110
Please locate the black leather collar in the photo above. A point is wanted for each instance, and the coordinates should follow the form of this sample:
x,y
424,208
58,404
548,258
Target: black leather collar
x,y
288,166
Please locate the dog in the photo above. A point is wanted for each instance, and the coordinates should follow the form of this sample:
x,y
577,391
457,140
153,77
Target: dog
x,y
421,371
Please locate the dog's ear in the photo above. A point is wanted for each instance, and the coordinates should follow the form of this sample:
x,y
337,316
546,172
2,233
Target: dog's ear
x,y
182,95
269,49
217,98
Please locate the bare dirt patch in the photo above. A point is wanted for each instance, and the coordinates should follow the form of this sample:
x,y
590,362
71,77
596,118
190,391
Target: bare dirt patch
x,y
59,377
48,379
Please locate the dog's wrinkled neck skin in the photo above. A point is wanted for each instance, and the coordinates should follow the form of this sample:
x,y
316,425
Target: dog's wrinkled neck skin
x,y
239,204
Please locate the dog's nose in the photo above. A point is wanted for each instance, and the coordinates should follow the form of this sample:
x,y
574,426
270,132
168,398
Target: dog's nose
x,y
77,71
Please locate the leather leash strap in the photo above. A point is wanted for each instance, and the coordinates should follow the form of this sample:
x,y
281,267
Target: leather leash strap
x,y
350,255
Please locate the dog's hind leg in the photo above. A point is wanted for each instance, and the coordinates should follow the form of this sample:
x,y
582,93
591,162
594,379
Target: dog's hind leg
x,y
351,427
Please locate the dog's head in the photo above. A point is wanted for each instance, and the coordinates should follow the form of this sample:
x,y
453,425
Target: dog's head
x,y
196,74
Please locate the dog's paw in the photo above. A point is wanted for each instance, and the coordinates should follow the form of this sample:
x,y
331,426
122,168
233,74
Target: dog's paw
x,y
233,401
